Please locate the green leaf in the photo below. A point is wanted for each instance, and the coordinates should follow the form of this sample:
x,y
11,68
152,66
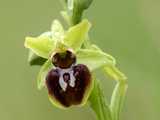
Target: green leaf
x,y
94,59
76,35
98,103
43,73
119,92
41,46
57,30
33,59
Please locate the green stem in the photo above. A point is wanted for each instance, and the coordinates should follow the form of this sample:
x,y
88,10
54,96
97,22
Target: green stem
x,y
75,9
77,15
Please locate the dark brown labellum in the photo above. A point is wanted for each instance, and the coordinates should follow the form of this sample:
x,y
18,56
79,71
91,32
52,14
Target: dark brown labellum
x,y
64,60
68,86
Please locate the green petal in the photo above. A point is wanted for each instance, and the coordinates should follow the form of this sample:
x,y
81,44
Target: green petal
x,y
57,30
42,46
76,35
94,59
43,73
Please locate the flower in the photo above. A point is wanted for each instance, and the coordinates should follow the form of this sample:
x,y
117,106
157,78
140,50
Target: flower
x,y
70,61
68,82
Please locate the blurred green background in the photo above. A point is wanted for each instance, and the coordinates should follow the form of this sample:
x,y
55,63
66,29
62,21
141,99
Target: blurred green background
x,y
127,29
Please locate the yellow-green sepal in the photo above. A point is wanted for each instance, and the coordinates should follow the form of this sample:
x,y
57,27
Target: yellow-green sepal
x,y
41,46
94,59
75,36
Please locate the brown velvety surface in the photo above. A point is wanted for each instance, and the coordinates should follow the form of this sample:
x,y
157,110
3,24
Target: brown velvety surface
x,y
72,95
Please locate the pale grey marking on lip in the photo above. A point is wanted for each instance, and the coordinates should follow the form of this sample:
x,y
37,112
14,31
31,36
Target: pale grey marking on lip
x,y
72,80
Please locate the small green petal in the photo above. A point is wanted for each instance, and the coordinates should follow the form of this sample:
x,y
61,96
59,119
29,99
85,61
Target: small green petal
x,y
42,46
57,30
94,59
43,73
76,35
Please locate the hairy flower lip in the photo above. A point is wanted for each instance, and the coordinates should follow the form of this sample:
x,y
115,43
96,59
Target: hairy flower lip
x,y
72,95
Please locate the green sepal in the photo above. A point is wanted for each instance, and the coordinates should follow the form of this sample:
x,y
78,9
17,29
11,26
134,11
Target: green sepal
x,y
41,46
76,35
55,33
94,59
111,58
34,59
57,30
43,73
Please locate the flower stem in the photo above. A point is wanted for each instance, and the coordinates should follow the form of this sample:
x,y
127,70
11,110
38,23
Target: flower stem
x,y
77,15
75,9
